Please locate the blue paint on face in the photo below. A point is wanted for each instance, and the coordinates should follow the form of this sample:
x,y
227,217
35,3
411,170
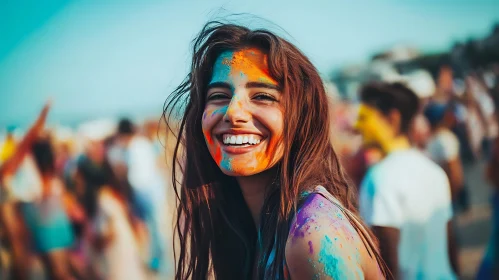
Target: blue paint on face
x,y
226,163
222,68
222,111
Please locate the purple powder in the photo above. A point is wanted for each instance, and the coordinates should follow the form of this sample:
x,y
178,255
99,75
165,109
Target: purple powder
x,y
310,247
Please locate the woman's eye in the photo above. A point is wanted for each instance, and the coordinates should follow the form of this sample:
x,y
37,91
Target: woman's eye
x,y
218,96
264,97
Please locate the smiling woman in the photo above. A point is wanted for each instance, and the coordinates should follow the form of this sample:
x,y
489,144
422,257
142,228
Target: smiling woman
x,y
243,118
262,194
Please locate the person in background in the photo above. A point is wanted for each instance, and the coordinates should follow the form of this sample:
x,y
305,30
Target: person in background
x,y
8,146
30,175
474,118
147,183
465,124
116,232
420,132
92,172
443,146
46,218
15,162
111,228
489,269
405,197
486,108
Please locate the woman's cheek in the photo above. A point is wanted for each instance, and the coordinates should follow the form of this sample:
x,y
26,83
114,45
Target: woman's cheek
x,y
209,121
274,150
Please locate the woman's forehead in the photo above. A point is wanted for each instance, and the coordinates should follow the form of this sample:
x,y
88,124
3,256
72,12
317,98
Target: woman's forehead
x,y
243,58
250,63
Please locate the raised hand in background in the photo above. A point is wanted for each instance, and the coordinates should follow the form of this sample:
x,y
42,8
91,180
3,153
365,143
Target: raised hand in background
x,y
10,165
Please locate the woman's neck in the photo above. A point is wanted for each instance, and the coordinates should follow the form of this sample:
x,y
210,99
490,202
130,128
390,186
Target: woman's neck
x,y
254,189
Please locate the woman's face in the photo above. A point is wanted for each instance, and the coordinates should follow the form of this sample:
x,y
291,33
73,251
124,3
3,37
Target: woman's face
x,y
243,119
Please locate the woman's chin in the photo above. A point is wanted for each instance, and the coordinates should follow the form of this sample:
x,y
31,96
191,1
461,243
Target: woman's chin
x,y
244,171
238,173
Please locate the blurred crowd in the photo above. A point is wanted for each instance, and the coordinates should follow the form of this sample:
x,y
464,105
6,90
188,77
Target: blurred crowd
x,y
84,204
92,203
456,126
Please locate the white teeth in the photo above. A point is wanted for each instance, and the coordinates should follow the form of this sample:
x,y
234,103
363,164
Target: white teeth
x,y
241,139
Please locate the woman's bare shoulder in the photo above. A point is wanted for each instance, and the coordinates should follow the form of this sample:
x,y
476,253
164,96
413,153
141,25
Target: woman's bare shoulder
x,y
322,243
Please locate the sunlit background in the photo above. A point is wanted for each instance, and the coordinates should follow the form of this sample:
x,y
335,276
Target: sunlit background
x,y
110,58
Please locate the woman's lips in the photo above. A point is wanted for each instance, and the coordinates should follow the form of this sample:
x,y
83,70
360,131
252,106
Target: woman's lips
x,y
239,143
241,139
239,149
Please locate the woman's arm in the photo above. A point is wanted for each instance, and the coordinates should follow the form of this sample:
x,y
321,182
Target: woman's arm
x,y
454,170
325,255
322,244
10,166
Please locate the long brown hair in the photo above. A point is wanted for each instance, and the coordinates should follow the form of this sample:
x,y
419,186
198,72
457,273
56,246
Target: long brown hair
x,y
214,226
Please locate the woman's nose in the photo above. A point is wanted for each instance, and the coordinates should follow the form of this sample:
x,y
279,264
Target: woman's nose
x,y
237,112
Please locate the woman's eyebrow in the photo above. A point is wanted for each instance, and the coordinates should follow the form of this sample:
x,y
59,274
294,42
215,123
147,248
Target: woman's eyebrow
x,y
262,85
219,85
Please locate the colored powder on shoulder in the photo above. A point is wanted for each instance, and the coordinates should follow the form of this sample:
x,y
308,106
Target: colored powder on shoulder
x,y
310,247
335,266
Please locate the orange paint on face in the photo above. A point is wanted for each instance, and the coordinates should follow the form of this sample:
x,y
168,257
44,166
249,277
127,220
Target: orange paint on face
x,y
213,147
208,138
264,158
251,64
218,155
237,69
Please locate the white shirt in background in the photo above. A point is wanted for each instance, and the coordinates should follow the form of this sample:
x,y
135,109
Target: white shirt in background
x,y
141,160
25,185
409,192
121,259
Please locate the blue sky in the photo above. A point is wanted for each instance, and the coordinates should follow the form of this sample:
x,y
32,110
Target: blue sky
x,y
108,58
